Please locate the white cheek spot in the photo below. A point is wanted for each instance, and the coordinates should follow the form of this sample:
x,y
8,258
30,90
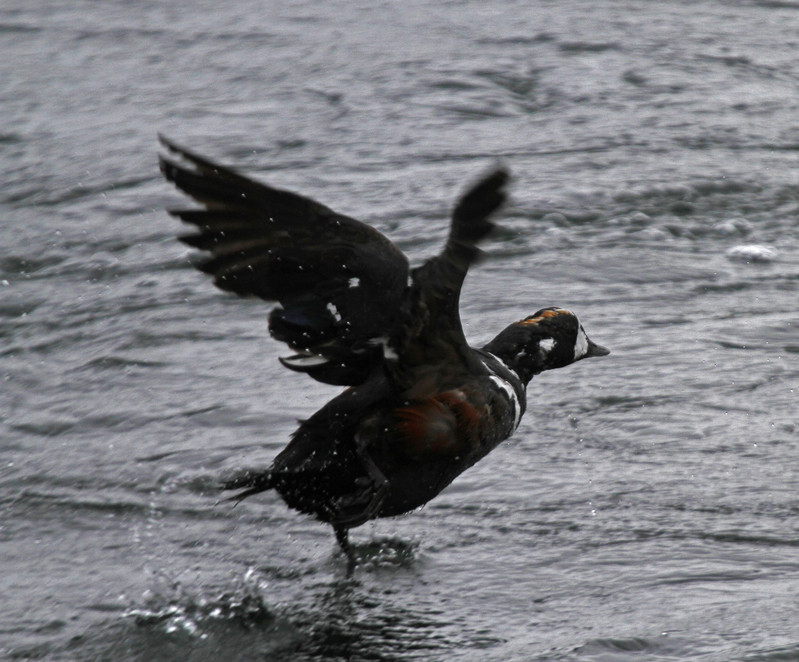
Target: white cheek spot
x,y
580,345
547,345
334,312
353,282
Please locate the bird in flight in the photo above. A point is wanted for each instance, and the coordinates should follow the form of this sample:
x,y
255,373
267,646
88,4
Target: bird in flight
x,y
421,406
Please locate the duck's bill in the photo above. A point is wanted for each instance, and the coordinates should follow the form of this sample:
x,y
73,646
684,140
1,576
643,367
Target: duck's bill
x,y
596,350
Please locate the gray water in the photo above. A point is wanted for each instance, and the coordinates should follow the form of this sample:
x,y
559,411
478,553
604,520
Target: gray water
x,y
647,507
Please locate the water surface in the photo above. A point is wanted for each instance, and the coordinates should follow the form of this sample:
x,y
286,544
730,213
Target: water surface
x,y
646,508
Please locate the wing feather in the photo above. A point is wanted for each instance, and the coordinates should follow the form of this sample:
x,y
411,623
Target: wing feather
x,y
339,282
432,340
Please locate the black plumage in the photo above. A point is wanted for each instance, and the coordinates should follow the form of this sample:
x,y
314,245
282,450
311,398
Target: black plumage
x,y
422,405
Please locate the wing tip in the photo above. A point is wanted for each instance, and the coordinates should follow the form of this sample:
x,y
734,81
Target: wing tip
x,y
471,217
170,144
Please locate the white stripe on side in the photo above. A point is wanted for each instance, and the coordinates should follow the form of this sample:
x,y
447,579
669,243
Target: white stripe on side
x,y
507,387
503,364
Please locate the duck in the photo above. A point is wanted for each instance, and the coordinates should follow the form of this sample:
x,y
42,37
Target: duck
x,y
420,405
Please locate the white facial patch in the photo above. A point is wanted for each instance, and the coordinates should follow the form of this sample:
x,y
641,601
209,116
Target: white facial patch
x,y
354,282
547,345
581,344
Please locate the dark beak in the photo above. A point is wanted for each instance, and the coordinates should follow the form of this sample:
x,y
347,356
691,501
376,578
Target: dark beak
x,y
596,350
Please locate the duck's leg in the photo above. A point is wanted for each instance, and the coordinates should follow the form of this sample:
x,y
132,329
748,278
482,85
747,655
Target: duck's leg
x,y
378,479
343,539
355,509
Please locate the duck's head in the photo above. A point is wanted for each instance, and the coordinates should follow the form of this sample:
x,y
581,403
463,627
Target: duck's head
x,y
551,338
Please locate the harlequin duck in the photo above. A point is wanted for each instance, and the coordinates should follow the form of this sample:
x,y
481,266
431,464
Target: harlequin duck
x,y
421,406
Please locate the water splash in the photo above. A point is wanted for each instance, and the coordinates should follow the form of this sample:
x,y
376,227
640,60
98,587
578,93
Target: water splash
x,y
175,608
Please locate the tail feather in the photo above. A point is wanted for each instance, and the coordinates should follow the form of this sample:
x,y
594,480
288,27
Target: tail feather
x,y
255,481
252,482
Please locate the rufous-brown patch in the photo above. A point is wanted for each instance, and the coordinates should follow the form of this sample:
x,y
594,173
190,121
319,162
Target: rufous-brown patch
x,y
545,315
446,424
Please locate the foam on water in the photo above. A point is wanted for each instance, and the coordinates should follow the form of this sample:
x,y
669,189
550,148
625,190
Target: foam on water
x,y
752,253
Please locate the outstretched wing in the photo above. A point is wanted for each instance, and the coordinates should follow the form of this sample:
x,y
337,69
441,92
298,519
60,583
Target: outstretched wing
x,y
340,283
431,339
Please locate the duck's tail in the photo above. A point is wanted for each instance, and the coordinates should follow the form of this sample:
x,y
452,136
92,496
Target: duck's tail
x,y
251,482
255,481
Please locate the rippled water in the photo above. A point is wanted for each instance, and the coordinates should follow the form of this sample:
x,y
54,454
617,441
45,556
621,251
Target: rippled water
x,y
647,507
